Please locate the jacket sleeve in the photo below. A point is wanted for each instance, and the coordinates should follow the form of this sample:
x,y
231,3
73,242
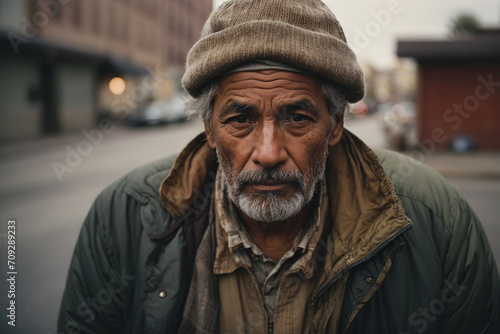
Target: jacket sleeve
x,y
93,300
471,288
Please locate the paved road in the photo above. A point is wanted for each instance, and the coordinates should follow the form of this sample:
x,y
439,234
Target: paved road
x,y
49,211
483,196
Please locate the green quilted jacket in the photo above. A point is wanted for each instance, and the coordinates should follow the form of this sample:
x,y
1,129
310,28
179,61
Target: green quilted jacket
x,y
417,257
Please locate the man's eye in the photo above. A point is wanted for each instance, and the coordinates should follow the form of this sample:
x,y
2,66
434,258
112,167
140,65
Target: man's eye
x,y
239,119
298,118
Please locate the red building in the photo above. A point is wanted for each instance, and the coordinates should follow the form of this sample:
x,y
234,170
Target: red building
x,y
458,90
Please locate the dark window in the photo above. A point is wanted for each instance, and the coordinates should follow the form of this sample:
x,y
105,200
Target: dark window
x,y
111,22
96,17
124,26
77,13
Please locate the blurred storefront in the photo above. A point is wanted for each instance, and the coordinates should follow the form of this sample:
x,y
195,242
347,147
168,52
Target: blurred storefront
x,y
458,92
66,63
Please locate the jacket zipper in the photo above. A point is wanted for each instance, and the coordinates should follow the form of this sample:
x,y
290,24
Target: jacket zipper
x,y
328,284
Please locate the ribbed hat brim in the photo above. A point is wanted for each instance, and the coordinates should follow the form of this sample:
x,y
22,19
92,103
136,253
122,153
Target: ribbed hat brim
x,y
274,40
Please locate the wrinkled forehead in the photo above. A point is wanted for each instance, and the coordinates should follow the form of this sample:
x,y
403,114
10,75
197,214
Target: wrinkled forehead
x,y
268,79
274,90
284,71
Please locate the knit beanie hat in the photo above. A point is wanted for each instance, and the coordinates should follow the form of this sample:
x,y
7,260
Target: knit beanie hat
x,y
301,33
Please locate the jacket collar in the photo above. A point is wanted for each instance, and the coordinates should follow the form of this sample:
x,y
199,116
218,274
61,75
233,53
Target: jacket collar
x,y
364,207
363,203
188,176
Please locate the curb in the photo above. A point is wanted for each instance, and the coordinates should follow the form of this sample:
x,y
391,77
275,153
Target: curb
x,y
479,165
478,174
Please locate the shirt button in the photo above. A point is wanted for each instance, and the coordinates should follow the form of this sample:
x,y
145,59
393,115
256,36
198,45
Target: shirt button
x,y
162,294
369,280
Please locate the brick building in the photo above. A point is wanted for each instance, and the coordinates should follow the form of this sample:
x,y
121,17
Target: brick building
x,y
57,58
458,90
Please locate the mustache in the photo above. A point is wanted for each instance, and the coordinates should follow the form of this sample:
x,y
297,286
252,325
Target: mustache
x,y
248,177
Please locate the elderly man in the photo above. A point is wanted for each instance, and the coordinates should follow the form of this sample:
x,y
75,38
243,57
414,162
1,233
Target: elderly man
x,y
276,219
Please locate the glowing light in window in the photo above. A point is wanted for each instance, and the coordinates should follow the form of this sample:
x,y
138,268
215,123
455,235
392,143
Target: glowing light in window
x,y
117,86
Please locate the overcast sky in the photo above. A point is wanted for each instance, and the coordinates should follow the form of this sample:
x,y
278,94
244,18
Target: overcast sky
x,y
374,39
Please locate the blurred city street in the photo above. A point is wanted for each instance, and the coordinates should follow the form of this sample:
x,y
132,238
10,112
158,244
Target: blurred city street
x,y
86,85
50,204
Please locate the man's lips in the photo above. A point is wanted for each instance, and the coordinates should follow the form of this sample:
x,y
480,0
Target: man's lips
x,y
271,182
269,186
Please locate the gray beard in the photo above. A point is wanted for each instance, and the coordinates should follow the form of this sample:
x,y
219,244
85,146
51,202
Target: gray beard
x,y
271,206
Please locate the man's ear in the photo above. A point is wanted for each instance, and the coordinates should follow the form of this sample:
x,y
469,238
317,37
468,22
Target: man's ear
x,y
210,134
336,134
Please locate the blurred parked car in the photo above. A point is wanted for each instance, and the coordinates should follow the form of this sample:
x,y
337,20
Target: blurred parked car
x,y
399,124
359,110
160,112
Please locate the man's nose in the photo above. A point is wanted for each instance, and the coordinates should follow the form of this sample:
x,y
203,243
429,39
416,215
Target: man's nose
x,y
269,146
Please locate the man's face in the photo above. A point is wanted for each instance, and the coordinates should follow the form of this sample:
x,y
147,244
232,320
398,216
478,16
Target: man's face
x,y
271,130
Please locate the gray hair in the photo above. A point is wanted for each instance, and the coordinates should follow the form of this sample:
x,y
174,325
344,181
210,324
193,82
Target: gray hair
x,y
203,105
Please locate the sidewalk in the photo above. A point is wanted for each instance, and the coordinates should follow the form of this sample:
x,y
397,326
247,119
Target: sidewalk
x,y
476,164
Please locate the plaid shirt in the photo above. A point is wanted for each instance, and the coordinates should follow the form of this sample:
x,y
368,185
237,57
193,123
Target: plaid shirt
x,y
267,272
